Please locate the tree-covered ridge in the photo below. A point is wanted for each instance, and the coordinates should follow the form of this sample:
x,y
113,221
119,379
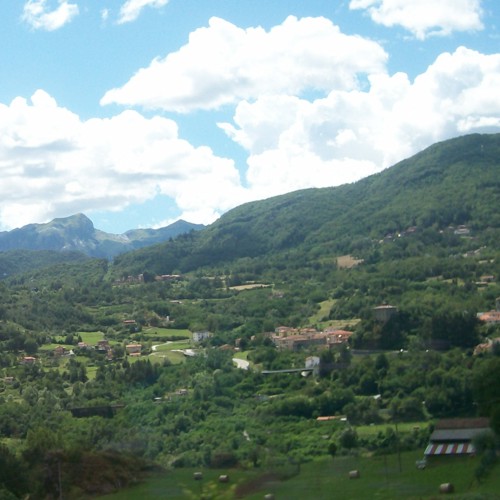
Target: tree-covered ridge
x,y
15,262
450,183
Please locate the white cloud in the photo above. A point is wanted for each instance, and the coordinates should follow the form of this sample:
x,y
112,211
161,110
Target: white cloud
x,y
131,9
313,108
54,164
38,15
424,18
223,64
294,143
104,14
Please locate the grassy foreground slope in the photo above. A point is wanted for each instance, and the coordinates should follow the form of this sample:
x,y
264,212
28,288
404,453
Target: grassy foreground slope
x,y
324,479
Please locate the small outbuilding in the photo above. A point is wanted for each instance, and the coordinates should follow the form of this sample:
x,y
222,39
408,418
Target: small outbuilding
x,y
454,436
133,349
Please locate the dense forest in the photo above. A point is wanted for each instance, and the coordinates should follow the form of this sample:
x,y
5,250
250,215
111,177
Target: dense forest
x,y
102,378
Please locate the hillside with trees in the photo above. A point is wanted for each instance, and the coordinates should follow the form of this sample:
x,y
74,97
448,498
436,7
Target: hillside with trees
x,y
450,183
110,370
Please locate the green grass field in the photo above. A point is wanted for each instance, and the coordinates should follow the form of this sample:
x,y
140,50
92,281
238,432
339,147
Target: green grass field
x,y
241,354
91,371
324,310
91,338
174,357
249,286
366,431
380,478
154,332
169,350
51,347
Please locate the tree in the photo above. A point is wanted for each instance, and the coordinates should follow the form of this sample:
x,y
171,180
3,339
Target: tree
x,y
332,449
381,363
30,346
485,445
39,442
13,480
349,438
457,328
486,391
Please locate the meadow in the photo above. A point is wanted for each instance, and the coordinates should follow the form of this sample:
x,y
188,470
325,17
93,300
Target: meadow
x,y
380,477
167,333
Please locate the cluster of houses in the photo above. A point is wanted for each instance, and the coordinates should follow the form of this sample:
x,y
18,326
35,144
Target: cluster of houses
x,y
102,346
485,280
487,346
133,349
128,280
460,230
491,318
28,360
294,339
392,236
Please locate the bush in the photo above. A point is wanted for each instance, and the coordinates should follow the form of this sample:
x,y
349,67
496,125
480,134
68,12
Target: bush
x,y
349,438
222,459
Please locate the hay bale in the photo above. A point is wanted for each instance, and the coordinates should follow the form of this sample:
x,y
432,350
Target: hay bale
x,y
354,474
269,496
198,476
446,488
223,478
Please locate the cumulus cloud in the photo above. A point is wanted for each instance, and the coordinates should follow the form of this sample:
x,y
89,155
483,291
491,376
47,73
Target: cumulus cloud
x,y
39,15
53,164
312,108
295,143
224,64
131,9
424,18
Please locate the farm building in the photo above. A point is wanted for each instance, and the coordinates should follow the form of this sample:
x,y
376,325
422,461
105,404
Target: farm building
x,y
455,436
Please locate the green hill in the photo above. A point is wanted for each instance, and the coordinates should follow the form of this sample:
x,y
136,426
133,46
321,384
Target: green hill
x,y
15,262
450,183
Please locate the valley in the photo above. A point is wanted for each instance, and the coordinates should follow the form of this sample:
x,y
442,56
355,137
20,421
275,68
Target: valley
x,y
354,312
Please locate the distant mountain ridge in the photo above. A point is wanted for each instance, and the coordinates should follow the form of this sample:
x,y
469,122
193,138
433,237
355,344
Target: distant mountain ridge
x,y
77,233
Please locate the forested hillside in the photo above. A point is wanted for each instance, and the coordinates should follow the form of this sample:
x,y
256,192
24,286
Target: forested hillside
x,y
450,183
19,261
130,364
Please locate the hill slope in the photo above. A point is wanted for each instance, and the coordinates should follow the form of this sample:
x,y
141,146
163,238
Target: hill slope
x,y
452,182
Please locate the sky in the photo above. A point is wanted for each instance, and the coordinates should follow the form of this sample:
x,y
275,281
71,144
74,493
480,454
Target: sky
x,y
138,113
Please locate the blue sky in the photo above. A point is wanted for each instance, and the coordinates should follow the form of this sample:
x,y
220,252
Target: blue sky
x,y
141,112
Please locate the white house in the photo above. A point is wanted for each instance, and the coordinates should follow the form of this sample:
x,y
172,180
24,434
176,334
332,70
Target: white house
x,y
201,336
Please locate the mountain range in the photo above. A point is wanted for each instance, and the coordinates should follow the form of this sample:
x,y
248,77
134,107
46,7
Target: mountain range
x,y
451,183
78,234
